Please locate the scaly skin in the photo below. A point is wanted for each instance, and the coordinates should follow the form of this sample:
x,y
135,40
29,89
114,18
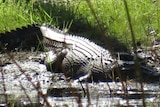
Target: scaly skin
x,y
81,57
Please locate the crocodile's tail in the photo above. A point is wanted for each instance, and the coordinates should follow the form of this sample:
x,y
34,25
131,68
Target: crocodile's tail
x,y
22,38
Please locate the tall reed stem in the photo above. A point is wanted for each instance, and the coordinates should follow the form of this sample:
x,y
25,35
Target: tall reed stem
x,y
137,65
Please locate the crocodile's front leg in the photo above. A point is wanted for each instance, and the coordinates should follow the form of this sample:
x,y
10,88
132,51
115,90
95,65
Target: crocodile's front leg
x,y
59,62
54,61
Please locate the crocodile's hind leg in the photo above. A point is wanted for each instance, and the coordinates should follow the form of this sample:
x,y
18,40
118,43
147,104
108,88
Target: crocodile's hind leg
x,y
87,73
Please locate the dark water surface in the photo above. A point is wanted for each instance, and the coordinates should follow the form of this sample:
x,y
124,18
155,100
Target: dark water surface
x,y
108,94
64,94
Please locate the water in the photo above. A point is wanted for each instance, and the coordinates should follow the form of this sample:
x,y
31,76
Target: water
x,y
103,94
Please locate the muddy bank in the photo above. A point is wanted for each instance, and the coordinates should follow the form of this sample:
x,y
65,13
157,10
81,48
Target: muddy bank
x,y
25,81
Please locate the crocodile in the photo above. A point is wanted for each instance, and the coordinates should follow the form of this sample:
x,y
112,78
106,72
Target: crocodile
x,y
80,57
77,57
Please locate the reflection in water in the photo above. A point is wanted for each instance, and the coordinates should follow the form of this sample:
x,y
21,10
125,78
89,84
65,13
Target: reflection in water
x,y
60,93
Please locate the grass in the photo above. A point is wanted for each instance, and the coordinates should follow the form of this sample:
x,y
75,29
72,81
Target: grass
x,y
76,17
13,15
112,15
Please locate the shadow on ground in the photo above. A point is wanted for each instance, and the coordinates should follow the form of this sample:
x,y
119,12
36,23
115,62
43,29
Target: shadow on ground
x,y
63,15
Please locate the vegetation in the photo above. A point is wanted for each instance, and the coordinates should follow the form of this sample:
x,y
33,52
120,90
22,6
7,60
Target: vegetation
x,y
112,14
14,15
78,17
